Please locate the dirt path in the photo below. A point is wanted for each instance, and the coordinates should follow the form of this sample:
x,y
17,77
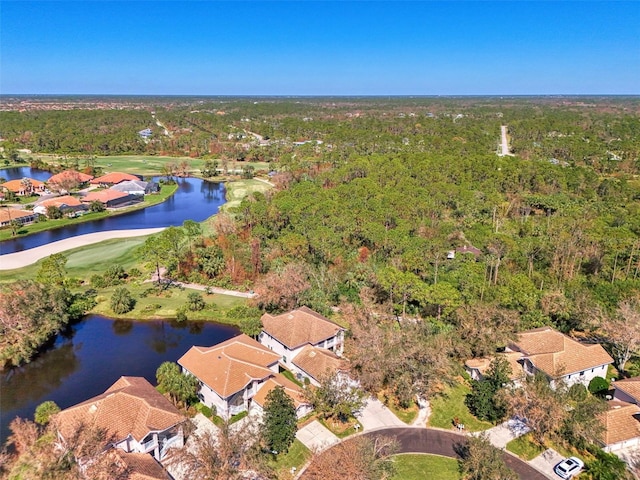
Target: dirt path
x,y
11,261
505,143
203,288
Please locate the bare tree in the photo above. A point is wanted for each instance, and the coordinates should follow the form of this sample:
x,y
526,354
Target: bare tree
x,y
622,331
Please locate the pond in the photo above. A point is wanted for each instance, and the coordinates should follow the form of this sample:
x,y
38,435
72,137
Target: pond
x,y
195,199
92,355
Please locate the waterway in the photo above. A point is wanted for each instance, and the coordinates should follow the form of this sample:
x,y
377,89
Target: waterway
x,y
195,199
92,355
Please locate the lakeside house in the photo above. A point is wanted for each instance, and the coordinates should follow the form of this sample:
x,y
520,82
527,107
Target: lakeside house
x,y
59,181
113,178
287,334
66,203
300,404
314,363
136,187
230,373
134,414
24,187
110,198
23,217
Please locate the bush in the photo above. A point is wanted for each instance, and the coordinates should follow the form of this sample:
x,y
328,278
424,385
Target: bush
x,y
122,301
98,281
598,385
44,412
135,273
195,303
181,316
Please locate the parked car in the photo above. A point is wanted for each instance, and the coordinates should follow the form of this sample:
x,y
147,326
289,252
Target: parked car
x,y
568,467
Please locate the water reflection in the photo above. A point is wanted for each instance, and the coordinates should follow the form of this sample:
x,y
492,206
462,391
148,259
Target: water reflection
x,y
93,355
195,199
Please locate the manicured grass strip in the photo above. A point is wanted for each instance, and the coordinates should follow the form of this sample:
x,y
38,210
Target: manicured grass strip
x,y
292,377
342,432
449,405
297,456
421,467
524,447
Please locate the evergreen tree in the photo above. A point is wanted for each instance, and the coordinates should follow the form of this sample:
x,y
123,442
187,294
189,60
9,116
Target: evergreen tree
x,y
279,428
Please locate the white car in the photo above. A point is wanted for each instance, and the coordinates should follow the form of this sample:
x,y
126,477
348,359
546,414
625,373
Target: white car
x,y
568,467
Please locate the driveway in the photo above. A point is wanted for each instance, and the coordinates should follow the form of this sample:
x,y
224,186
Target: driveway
x,y
546,461
502,434
375,415
316,437
441,442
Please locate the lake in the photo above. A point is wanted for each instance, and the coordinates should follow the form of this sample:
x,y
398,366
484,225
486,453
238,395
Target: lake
x,y
195,199
92,355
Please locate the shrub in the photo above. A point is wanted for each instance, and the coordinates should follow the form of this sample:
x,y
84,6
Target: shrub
x,y
598,385
181,316
135,273
195,303
98,281
122,301
44,412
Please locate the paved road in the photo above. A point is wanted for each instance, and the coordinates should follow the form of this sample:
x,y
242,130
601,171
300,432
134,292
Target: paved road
x,y
439,442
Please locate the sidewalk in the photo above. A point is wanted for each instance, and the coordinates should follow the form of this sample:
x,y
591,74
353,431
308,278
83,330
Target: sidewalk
x,y
376,415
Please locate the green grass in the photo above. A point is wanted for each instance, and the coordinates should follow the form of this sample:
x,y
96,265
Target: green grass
x,y
168,302
451,404
237,417
340,431
420,467
524,447
407,415
291,377
297,456
239,189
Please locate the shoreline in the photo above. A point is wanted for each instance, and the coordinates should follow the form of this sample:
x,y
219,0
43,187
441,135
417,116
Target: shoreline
x,y
12,261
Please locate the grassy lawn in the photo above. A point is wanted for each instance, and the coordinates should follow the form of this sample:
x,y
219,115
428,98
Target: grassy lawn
x,y
165,304
239,189
407,415
297,456
451,404
339,429
524,447
292,377
419,467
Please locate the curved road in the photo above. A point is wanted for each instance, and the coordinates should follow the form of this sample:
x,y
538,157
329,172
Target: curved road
x,y
440,442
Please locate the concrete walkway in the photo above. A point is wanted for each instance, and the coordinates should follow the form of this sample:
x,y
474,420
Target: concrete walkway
x,y
502,434
316,437
545,462
28,257
376,415
203,288
423,415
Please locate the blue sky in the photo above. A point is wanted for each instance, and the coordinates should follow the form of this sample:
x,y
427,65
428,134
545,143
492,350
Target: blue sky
x,y
320,48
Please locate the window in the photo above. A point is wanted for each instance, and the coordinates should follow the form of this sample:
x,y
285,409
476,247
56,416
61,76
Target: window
x,y
284,359
582,374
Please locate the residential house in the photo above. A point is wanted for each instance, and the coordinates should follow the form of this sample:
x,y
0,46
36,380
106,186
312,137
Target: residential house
x,y
477,368
294,391
314,363
62,180
8,215
627,390
137,466
287,334
621,426
230,373
113,178
560,357
110,198
66,203
135,187
146,133
24,187
138,417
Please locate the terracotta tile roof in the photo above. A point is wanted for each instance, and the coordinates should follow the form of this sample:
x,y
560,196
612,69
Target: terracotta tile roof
x,y
620,422
229,366
130,406
513,358
13,214
113,178
295,328
65,200
556,354
630,386
140,466
103,196
290,388
71,174
319,361
17,186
